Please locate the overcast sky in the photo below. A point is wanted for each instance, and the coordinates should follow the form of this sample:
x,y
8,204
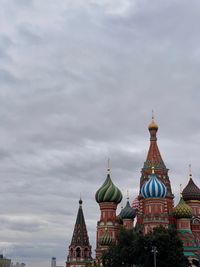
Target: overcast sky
x,y
78,81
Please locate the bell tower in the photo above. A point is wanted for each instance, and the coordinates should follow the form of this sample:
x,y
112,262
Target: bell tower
x,y
79,249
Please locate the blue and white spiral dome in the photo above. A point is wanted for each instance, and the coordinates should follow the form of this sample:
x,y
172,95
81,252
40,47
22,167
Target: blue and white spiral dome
x,y
153,188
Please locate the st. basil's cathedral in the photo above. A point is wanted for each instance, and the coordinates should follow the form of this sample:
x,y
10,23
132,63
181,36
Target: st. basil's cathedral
x,y
153,207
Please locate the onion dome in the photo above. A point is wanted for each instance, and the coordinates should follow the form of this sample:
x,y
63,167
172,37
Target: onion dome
x,y
119,220
153,188
108,192
119,216
106,239
191,191
153,125
182,210
127,212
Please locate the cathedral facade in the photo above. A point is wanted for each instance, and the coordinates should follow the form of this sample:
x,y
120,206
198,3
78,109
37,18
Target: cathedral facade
x,y
153,207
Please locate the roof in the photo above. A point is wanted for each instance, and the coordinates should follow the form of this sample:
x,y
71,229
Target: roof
x,y
182,210
80,236
108,192
191,191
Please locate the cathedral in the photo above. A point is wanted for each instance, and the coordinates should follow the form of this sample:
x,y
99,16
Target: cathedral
x,y
153,207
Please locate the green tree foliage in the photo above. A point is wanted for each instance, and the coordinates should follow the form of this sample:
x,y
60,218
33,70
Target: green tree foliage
x,y
136,249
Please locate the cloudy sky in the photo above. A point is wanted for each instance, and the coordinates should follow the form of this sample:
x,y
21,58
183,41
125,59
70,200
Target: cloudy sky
x,y
78,81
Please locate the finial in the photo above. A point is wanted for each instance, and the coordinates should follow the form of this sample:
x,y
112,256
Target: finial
x,y
80,200
152,170
152,114
181,190
127,195
108,170
190,171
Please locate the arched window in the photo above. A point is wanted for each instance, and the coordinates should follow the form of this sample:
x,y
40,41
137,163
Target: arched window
x,y
78,252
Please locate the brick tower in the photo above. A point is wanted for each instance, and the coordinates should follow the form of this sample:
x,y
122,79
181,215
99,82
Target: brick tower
x,y
183,214
154,209
127,215
155,160
108,197
79,249
191,195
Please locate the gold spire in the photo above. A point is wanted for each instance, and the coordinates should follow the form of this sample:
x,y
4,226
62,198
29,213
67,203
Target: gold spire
x,y
108,170
190,171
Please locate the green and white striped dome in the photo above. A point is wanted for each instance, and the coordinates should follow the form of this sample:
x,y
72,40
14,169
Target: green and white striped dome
x,y
108,192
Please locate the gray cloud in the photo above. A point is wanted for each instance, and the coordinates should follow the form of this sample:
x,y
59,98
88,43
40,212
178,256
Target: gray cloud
x,y
78,81
21,223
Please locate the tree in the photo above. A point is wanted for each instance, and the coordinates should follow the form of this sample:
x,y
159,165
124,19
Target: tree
x,y
136,249
169,246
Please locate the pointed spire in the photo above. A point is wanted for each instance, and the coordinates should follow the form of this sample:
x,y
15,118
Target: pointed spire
x,y
154,157
80,217
80,236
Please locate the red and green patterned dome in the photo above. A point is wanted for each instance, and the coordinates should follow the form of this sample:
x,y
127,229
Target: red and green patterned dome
x,y
182,210
108,192
106,239
191,191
